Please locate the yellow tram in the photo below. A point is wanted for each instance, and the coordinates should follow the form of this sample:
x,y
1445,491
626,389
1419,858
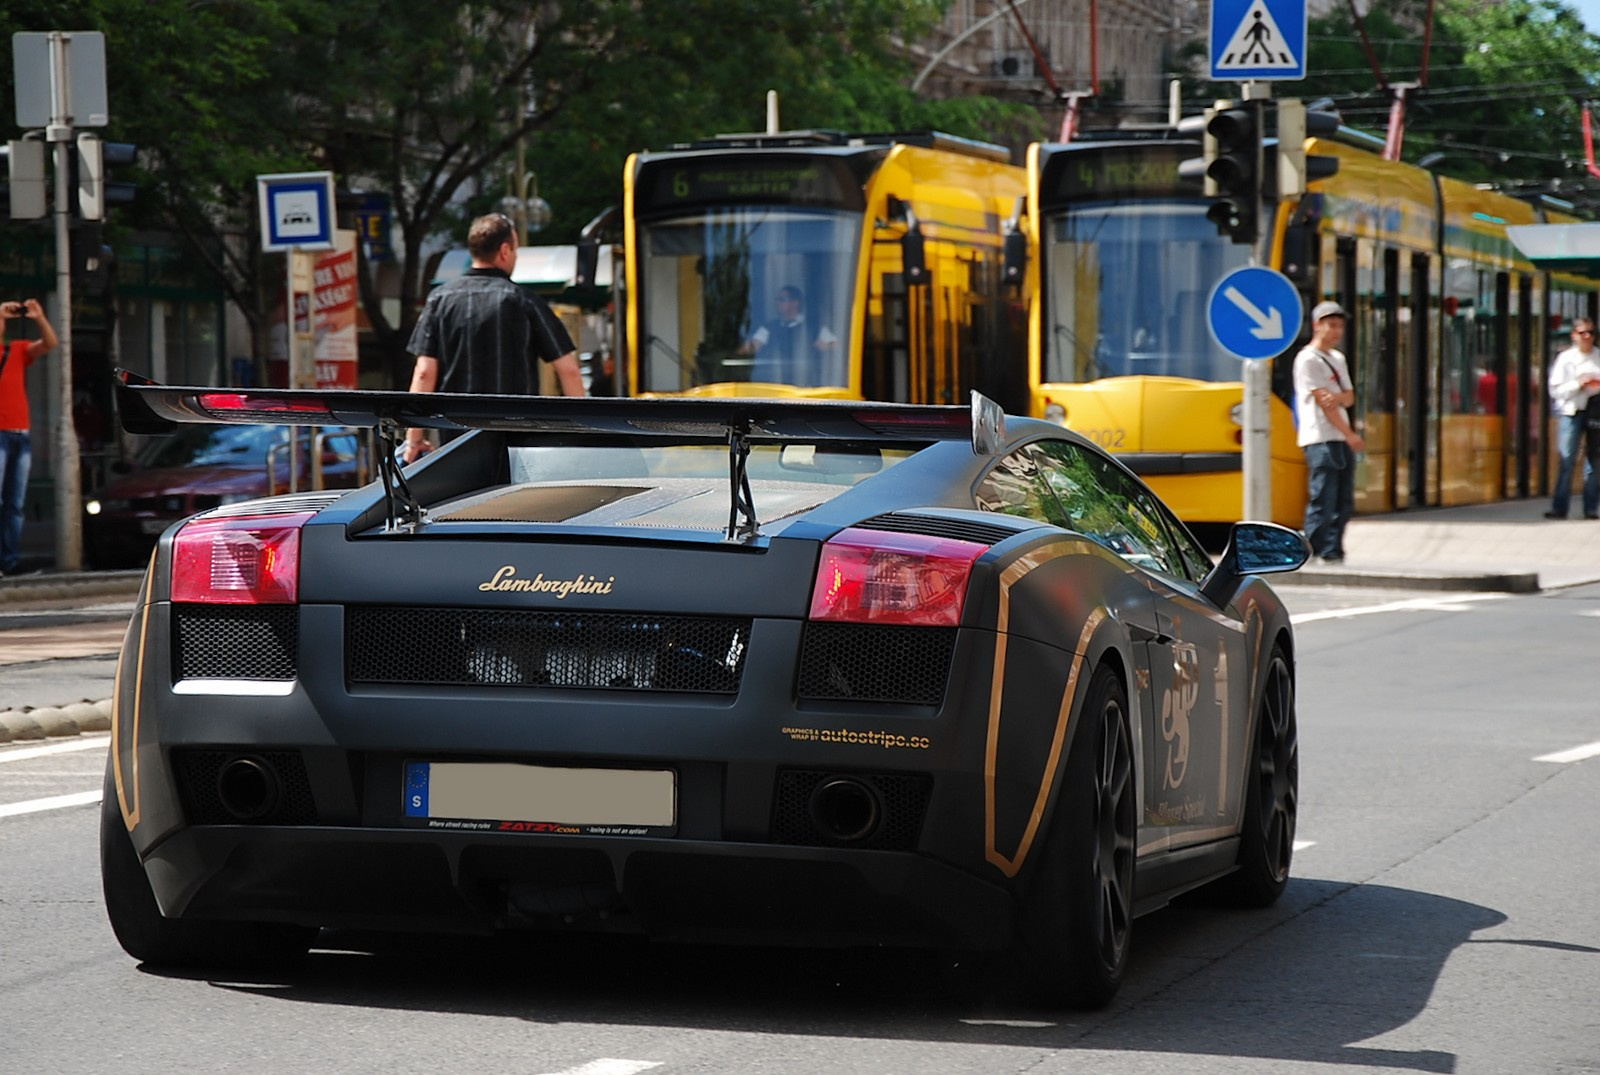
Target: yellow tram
x,y
823,265
1449,334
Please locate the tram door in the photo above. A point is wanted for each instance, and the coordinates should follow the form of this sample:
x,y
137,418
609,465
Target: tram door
x,y
1421,409
1521,385
1384,412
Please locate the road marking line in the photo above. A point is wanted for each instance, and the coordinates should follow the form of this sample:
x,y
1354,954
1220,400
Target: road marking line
x,y
1301,845
55,802
69,745
609,1066
1025,1024
1562,757
1413,604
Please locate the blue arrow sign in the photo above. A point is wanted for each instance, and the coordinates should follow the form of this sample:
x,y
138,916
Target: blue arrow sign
x,y
1254,312
1258,40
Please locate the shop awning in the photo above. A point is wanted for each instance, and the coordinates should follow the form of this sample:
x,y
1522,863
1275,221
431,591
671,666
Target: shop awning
x,y
1559,247
548,270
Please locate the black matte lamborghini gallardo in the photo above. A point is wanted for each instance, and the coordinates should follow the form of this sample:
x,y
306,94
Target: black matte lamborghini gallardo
x,y
820,673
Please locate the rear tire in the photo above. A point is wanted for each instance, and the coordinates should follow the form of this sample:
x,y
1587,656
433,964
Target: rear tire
x,y
1077,915
150,937
1272,797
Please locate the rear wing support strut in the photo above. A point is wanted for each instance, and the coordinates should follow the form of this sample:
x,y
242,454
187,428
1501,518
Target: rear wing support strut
x,y
401,508
742,522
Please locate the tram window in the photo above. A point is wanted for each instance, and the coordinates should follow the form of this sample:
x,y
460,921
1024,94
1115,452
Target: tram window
x,y
1126,292
711,282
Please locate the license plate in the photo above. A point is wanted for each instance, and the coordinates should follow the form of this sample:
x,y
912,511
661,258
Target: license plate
x,y
507,797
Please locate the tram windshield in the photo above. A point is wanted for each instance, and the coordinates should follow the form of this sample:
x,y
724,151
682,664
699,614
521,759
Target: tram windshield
x,y
1128,285
748,293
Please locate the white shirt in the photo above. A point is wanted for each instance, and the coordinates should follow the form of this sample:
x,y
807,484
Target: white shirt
x,y
1566,379
1314,369
763,334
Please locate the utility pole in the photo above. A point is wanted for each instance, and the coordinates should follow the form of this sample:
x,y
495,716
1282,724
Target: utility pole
x,y
61,84
69,533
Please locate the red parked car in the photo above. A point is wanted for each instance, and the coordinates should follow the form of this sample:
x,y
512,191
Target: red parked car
x,y
203,467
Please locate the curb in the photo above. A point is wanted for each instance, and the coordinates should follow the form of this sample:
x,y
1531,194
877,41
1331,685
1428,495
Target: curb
x,y
1487,582
50,722
70,585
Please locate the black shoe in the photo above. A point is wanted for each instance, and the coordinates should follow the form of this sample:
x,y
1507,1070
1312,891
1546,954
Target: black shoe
x,y
1590,515
1555,515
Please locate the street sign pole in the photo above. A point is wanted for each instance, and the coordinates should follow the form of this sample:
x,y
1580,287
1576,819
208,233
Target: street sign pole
x,y
1257,447
1254,42
68,499
1254,313
297,218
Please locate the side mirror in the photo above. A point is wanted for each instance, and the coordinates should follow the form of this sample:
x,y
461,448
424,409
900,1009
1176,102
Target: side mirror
x,y
913,258
1014,246
1014,257
1254,549
588,263
913,251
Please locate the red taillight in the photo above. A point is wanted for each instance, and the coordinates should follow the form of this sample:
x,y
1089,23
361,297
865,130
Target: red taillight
x,y
871,576
250,560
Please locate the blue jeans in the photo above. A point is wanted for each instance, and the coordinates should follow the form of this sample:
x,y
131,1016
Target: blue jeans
x,y
16,456
1331,498
1575,433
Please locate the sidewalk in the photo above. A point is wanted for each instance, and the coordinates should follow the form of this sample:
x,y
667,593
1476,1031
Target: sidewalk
x,y
1508,547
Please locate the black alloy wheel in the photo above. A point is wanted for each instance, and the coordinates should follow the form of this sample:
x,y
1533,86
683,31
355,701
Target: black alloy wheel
x,y
1077,916
1266,837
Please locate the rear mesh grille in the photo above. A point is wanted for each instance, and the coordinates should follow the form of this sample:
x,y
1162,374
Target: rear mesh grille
x,y
902,800
937,526
197,772
873,663
235,641
607,651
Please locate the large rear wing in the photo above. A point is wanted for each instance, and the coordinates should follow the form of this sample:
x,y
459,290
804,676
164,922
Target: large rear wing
x,y
151,408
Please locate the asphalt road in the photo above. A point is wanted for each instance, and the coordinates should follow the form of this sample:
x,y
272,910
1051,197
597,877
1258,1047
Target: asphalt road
x,y
1444,917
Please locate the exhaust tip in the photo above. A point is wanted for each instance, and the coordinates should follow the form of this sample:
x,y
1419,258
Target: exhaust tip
x,y
248,788
845,809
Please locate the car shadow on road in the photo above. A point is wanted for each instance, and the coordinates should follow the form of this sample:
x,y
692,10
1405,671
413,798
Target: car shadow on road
x,y
1330,967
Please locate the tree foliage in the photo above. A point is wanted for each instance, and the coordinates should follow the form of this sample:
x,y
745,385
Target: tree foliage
x,y
1496,90
429,104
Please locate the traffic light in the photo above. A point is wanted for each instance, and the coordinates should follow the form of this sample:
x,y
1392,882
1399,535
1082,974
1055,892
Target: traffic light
x,y
1233,168
96,190
1295,167
25,185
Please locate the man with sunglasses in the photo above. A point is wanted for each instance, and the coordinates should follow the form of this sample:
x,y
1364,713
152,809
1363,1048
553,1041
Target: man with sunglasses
x,y
483,333
1574,381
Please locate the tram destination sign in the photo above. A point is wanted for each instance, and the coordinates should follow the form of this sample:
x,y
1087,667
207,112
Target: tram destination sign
x,y
1102,173
678,182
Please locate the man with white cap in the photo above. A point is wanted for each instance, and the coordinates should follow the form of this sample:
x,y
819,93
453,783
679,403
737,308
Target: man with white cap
x,y
1322,393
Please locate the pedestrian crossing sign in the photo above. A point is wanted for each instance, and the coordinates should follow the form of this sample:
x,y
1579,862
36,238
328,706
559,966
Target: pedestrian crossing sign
x,y
1258,40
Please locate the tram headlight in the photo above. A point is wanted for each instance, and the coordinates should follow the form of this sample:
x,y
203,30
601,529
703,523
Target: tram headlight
x,y
1055,412
1236,414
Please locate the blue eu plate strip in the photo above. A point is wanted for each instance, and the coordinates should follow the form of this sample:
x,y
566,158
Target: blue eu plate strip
x,y
416,789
